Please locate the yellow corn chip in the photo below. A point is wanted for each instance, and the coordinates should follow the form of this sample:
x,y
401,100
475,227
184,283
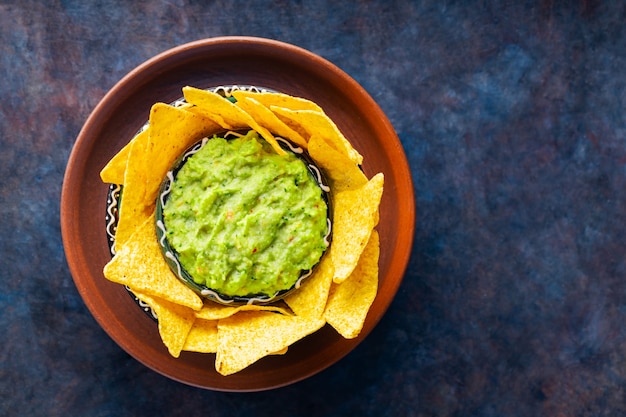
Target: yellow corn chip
x,y
342,173
227,114
310,299
264,117
114,171
269,99
349,302
175,322
214,311
355,213
317,123
202,337
249,336
133,211
140,265
172,131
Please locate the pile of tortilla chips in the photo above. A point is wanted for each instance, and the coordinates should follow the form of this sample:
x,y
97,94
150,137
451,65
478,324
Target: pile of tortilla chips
x,y
342,287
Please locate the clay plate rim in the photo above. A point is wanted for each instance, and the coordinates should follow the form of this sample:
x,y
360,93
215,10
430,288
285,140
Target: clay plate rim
x,y
205,63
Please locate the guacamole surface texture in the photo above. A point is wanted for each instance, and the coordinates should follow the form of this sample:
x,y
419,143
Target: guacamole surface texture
x,y
243,219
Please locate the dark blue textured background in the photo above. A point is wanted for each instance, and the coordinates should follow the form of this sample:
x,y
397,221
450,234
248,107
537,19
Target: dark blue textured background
x,y
513,118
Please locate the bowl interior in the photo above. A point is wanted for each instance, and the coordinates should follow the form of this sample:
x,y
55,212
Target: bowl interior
x,y
228,61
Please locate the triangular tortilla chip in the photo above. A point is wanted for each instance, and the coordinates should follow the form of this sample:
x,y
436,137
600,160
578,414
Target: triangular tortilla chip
x,y
202,337
269,99
133,210
349,302
249,336
310,299
318,123
172,131
341,171
355,214
175,322
114,171
139,264
266,118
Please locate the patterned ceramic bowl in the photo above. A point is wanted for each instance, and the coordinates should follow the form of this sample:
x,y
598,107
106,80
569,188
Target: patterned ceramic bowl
x,y
172,257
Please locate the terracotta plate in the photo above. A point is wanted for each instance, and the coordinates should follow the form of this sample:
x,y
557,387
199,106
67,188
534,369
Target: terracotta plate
x,y
208,63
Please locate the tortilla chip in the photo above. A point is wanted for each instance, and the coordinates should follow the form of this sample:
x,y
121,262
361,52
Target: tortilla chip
x,y
227,114
355,214
249,336
133,211
114,171
175,322
266,118
140,265
202,337
269,99
318,123
214,311
342,172
172,131
349,302
310,299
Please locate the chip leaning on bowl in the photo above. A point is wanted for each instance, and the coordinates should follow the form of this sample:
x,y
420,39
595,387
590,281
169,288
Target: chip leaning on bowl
x,y
342,286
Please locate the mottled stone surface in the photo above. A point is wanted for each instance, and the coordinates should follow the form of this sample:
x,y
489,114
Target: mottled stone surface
x,y
513,118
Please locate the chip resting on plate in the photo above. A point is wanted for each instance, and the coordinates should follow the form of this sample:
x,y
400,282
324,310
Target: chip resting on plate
x,y
316,123
349,301
355,216
175,322
268,119
247,337
202,337
140,266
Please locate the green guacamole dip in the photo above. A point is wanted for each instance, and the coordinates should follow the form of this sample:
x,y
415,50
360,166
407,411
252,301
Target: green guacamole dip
x,y
243,219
